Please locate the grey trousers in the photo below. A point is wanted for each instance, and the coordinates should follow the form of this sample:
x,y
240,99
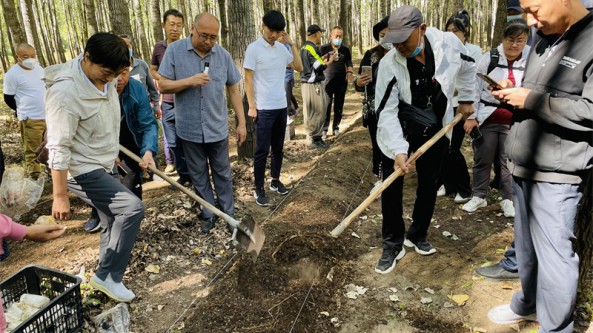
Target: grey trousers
x,y
548,265
314,104
485,151
120,212
203,158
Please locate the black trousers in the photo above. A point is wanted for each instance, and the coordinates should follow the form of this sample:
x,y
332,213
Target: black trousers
x,y
371,123
428,167
336,94
454,174
1,163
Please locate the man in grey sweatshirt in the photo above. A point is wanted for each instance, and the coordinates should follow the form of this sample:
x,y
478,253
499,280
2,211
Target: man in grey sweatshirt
x,y
550,150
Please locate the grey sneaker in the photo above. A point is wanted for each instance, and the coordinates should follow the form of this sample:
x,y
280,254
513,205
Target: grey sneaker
x,y
388,260
260,197
496,272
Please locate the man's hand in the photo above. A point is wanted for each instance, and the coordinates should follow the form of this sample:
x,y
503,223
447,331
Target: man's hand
x,y
198,80
156,109
465,109
349,76
60,209
513,96
401,162
241,133
285,38
469,125
117,161
252,113
42,233
148,160
329,58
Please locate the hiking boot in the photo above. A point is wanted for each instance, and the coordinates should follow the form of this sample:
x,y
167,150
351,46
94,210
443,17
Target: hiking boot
x,y
422,247
474,204
388,260
115,290
93,224
278,187
503,315
319,144
461,200
496,272
441,192
260,197
208,224
170,169
508,210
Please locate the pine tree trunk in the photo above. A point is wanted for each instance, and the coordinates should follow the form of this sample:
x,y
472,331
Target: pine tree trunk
x,y
300,19
155,14
224,28
142,48
501,21
31,30
240,12
89,10
16,34
345,21
41,16
4,55
119,16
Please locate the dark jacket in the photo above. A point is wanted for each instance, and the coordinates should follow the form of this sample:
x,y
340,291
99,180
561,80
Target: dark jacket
x,y
337,69
139,117
371,58
552,139
312,67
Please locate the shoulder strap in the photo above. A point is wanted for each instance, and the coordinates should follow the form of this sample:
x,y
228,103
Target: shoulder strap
x,y
311,50
494,58
386,96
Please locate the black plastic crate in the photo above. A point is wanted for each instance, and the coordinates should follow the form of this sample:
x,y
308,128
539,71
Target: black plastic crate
x,y
63,314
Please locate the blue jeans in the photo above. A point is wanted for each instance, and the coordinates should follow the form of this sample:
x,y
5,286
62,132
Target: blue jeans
x,y
270,128
172,139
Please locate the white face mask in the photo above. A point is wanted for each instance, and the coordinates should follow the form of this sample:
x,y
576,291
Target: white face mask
x,y
386,46
29,63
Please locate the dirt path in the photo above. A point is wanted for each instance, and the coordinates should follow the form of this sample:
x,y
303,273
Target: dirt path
x,y
190,282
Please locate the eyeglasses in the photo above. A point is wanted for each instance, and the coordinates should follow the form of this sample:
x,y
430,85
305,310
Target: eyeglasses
x,y
518,41
206,37
175,25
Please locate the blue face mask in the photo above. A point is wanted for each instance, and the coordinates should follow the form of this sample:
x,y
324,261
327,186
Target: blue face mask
x,y
514,17
131,52
418,48
337,42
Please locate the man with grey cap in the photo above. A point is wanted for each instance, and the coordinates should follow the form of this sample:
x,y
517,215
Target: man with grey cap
x,y
314,97
421,72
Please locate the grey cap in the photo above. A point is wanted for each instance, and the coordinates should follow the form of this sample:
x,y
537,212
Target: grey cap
x,y
402,22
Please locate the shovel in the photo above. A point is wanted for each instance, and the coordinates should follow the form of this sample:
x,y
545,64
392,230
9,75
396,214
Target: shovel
x,y
397,172
247,234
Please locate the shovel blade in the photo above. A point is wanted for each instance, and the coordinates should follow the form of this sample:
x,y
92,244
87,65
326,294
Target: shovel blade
x,y
250,237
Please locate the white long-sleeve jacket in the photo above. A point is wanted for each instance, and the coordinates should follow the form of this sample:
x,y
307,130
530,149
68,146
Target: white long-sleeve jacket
x,y
454,69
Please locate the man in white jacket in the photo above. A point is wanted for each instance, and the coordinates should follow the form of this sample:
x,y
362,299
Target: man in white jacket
x,y
422,72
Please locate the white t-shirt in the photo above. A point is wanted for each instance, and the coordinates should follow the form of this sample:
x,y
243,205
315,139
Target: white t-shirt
x,y
28,90
269,64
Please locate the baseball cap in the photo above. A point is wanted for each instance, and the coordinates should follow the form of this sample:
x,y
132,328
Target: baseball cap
x,y
313,28
380,26
515,4
402,22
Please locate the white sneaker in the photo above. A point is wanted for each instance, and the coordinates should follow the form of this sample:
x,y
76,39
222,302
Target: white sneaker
x,y
441,192
170,169
336,132
324,136
474,204
459,199
157,178
508,209
503,315
115,290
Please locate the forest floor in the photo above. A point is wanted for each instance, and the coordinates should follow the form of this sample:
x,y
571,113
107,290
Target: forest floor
x,y
186,281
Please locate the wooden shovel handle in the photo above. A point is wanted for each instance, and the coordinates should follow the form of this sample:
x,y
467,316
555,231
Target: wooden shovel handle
x,y
397,172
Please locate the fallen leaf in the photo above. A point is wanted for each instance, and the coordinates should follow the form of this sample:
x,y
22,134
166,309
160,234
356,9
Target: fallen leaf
x,y
507,286
459,299
355,235
436,226
352,295
430,291
153,269
335,322
454,237
480,330
448,305
499,215
364,217
393,290
330,275
160,307
206,262
394,298
447,234
197,250
324,313
426,300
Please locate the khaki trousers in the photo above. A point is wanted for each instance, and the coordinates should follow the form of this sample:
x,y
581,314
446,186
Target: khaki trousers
x,y
32,135
314,104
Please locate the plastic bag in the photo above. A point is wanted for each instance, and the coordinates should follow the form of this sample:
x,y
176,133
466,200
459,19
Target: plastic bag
x,y
18,194
114,320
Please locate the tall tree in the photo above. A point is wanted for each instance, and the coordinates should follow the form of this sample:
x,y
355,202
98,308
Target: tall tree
x,y
119,16
501,21
345,20
240,12
142,48
91,19
16,34
224,28
300,19
155,14
31,29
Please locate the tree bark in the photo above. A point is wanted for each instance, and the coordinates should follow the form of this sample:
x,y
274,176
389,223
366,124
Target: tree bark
x,y
89,10
16,34
300,19
240,12
501,21
155,14
224,28
119,16
345,21
31,29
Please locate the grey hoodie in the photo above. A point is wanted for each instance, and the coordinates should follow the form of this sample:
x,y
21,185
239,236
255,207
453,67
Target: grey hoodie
x,y
82,125
551,140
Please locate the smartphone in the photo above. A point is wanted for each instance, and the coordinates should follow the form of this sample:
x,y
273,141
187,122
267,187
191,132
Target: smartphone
x,y
475,134
490,81
367,71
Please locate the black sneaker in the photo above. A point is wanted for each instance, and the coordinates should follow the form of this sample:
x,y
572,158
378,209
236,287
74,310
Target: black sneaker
x,y
278,187
260,197
388,260
422,247
319,144
208,224
93,224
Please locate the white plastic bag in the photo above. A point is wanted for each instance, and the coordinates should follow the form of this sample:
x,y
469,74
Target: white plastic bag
x,y
114,320
18,194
